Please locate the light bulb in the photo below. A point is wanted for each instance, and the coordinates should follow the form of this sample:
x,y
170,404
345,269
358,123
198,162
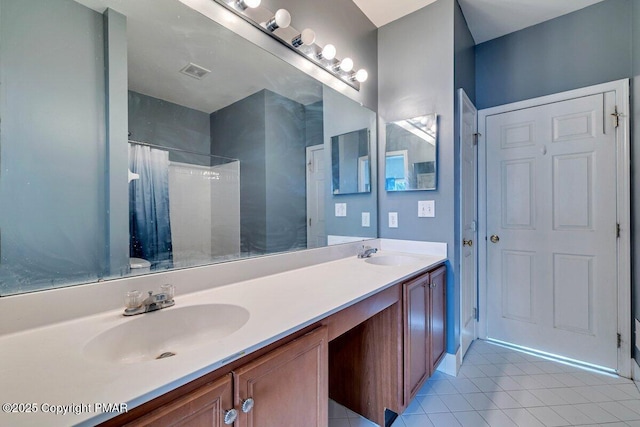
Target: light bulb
x,y
346,65
362,75
243,4
306,37
328,52
282,19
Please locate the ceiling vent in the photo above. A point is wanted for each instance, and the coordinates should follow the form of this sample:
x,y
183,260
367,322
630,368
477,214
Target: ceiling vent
x,y
195,71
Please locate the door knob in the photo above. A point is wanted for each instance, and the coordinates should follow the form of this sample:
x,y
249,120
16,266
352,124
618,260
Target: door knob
x,y
467,242
494,239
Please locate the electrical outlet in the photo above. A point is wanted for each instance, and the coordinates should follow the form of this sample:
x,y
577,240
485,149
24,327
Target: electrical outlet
x,y
426,208
366,219
341,209
393,219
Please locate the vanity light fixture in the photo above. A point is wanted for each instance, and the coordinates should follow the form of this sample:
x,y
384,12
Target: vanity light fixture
x,y
244,4
361,75
328,52
281,19
307,37
303,42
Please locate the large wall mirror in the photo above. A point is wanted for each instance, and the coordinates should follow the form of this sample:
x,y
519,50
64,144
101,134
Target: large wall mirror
x,y
141,136
411,154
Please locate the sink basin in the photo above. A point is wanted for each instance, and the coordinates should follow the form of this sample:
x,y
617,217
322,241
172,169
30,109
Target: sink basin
x,y
165,333
392,260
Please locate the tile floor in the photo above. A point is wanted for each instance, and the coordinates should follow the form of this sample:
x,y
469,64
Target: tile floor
x,y
498,387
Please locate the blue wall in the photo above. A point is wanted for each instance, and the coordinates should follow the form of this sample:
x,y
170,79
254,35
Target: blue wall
x,y
419,78
266,132
53,145
587,47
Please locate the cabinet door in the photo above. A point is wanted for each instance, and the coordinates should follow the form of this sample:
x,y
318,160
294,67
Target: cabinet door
x,y
289,386
416,335
205,406
438,291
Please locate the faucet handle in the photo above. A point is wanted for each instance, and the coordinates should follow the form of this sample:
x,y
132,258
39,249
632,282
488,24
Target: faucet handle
x,y
133,299
169,290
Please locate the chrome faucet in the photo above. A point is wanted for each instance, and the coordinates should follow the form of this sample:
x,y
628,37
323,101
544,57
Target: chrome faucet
x,y
136,305
367,251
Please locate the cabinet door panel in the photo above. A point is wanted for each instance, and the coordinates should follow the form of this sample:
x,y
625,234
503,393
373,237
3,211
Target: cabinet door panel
x,y
438,315
417,364
203,407
288,386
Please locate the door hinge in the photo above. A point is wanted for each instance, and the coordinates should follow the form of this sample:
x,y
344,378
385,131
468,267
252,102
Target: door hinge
x,y
309,222
475,313
619,340
617,230
616,117
475,138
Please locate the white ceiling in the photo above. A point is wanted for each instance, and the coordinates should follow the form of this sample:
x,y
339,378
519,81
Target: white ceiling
x,y
487,19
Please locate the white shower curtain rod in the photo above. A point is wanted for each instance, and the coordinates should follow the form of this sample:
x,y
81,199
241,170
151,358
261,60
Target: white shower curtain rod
x,y
160,147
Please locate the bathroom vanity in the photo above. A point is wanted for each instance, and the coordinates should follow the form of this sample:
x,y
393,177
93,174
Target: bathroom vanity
x,y
371,356
287,340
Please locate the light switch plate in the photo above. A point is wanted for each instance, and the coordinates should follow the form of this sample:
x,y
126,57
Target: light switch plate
x,y
393,219
426,208
366,219
341,209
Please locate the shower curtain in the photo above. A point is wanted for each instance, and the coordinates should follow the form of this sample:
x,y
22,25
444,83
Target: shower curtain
x,y
149,224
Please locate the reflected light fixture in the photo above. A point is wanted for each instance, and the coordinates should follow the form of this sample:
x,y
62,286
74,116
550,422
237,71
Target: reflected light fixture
x,y
244,4
345,65
361,75
281,19
328,52
307,37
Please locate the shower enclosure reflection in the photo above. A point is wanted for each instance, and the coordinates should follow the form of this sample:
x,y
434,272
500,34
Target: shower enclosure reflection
x,y
182,211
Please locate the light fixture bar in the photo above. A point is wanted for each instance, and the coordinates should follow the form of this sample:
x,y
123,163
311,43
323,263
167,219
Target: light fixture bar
x,y
301,42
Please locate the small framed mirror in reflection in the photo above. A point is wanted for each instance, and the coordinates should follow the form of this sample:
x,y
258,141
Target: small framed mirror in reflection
x,y
350,163
411,154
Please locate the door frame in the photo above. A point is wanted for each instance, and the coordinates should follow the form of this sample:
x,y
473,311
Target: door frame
x,y
309,164
623,268
463,98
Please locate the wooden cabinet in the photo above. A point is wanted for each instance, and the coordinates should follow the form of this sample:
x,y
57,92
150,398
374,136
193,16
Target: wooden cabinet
x,y
424,301
205,406
288,386
285,387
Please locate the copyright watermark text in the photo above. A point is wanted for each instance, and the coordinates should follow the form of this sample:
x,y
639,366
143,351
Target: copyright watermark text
x,y
64,409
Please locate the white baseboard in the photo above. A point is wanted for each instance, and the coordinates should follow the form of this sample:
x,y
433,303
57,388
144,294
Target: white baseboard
x,y
450,363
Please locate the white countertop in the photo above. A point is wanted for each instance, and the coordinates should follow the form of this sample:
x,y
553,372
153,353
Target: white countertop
x,y
46,365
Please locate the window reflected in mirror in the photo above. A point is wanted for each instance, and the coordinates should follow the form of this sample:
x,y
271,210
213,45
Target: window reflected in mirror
x,y
411,154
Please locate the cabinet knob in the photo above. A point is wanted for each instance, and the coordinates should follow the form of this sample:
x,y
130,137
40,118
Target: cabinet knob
x,y
247,405
230,416
433,285
494,238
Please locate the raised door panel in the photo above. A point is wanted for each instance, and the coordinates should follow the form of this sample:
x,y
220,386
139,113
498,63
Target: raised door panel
x,y
416,330
203,407
438,321
288,386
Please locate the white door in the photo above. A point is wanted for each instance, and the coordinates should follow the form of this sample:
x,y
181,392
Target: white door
x,y
551,227
468,220
316,235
